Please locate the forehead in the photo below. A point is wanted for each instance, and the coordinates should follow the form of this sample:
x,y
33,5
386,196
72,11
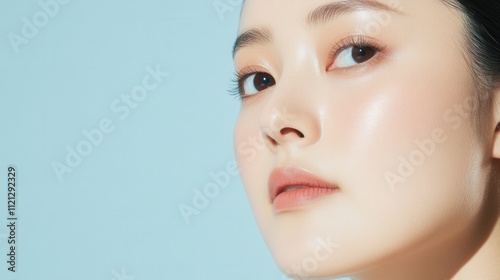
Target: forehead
x,y
255,11
286,12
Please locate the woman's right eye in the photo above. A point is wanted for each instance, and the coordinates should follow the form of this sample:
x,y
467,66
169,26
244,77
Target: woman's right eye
x,y
256,82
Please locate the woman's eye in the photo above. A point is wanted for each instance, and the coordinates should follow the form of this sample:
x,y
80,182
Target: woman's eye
x,y
354,55
257,82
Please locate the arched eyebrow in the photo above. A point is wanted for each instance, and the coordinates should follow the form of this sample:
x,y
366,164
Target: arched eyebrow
x,y
254,36
320,15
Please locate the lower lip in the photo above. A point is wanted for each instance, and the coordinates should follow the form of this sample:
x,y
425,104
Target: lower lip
x,y
299,197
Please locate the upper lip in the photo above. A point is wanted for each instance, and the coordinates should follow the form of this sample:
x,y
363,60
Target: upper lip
x,y
282,178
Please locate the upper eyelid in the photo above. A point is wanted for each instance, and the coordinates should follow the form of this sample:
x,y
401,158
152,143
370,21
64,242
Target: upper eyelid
x,y
244,74
355,40
249,70
350,40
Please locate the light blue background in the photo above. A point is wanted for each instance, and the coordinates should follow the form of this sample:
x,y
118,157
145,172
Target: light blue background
x,y
116,216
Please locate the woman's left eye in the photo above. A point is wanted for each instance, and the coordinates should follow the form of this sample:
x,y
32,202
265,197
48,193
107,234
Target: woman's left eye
x,y
354,55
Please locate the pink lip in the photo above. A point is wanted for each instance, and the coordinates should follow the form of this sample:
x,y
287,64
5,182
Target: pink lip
x,y
291,187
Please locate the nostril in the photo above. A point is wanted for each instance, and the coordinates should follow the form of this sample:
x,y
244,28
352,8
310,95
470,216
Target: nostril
x,y
287,130
272,140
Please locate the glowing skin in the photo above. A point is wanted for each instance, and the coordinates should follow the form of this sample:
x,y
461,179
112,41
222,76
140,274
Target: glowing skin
x,y
355,125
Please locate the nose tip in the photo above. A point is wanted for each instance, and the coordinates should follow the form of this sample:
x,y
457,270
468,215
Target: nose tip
x,y
291,117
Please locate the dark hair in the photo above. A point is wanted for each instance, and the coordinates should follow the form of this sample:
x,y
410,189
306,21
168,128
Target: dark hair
x,y
482,26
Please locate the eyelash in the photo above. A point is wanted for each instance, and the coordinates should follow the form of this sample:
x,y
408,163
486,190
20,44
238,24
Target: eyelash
x,y
351,41
354,41
237,82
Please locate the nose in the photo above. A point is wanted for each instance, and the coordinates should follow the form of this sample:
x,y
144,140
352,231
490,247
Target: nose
x,y
290,118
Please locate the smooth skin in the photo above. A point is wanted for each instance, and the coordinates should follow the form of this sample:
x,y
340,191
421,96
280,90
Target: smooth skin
x,y
354,124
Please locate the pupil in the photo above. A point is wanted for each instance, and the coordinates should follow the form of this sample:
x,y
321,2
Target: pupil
x,y
262,81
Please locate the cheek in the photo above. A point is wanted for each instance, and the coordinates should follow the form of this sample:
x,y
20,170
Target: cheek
x,y
378,123
399,116
246,146
401,160
254,160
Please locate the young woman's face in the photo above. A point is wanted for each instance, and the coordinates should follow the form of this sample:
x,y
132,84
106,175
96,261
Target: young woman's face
x,y
357,140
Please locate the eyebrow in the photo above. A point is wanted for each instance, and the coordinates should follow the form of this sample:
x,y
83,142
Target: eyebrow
x,y
328,12
254,36
320,15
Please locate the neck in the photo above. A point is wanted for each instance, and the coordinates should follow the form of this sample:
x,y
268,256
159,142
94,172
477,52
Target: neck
x,y
484,264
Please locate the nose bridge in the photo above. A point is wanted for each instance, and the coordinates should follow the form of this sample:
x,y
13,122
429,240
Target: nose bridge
x,y
298,77
291,114
298,50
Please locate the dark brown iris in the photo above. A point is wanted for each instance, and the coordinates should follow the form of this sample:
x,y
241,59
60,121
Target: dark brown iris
x,y
263,81
362,54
